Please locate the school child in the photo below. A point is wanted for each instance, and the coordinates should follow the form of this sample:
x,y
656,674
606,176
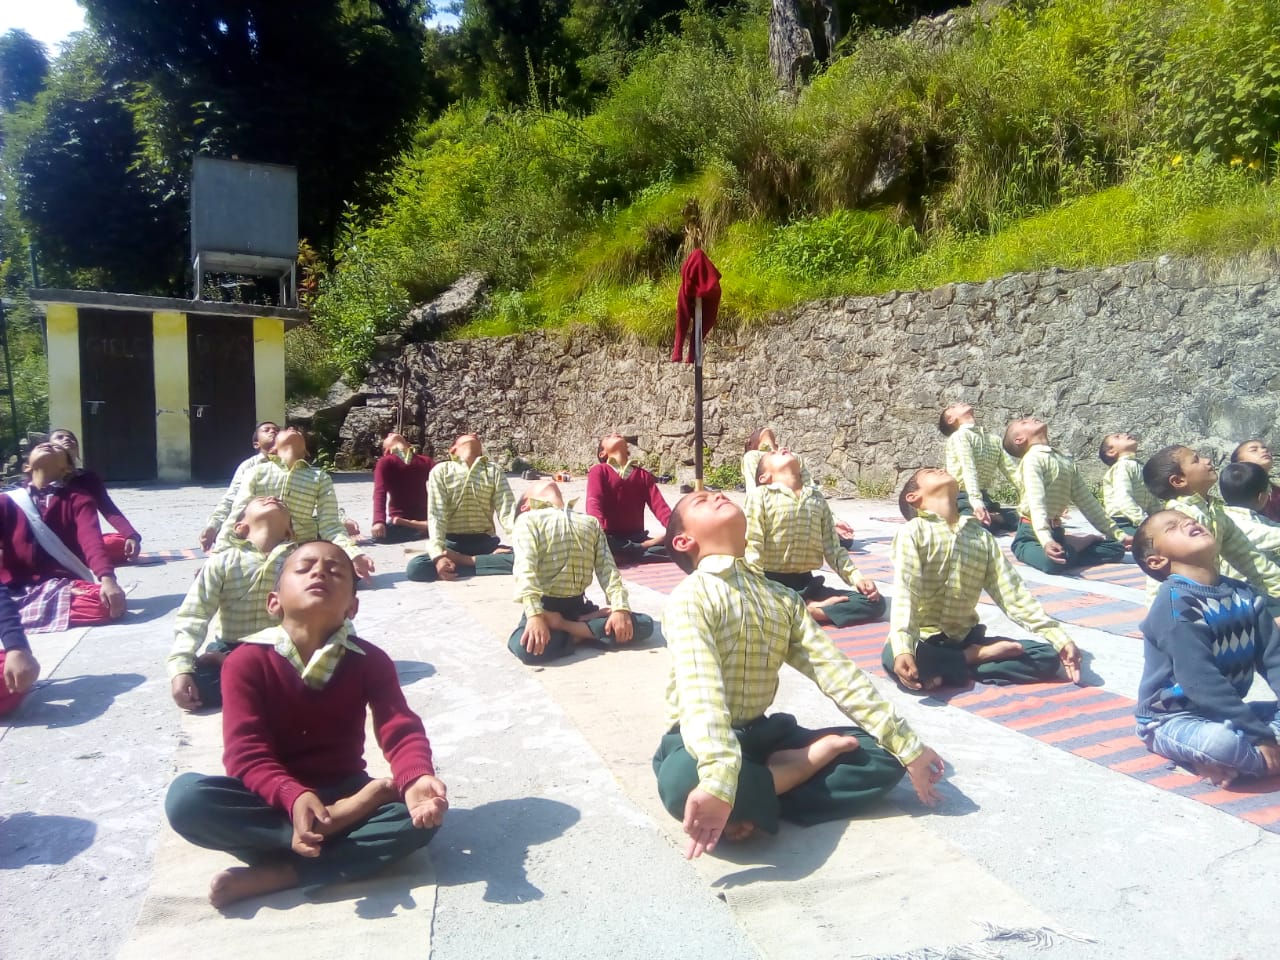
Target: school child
x,y
1246,488
400,492
124,545
1125,497
464,494
296,804
790,531
1255,451
233,585
942,562
264,442
977,460
618,490
1205,637
18,665
763,441
1051,483
556,553
725,767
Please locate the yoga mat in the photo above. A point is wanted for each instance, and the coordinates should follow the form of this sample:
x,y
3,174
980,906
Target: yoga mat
x,y
1090,722
176,919
790,892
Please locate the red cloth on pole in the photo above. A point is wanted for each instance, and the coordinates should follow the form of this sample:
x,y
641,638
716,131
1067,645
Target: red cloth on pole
x,y
698,278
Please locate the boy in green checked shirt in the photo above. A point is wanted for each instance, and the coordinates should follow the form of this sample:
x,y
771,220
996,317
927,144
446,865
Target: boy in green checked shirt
x,y
1124,496
976,459
942,562
1051,483
725,767
308,493
234,585
790,530
463,495
556,553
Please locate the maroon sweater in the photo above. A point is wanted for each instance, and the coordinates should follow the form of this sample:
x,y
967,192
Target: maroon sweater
x,y
619,504
282,738
404,483
89,483
70,514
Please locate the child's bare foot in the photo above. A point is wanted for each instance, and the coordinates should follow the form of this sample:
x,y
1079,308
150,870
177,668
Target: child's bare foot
x,y
735,832
575,628
595,614
1216,773
815,607
460,559
348,811
499,550
239,883
990,652
790,768
1082,541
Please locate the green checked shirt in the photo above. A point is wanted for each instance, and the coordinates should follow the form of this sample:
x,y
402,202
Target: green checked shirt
x,y
1050,483
223,509
463,499
939,575
729,631
1124,494
318,671
977,460
308,493
751,463
791,532
233,585
1264,534
556,552
1237,557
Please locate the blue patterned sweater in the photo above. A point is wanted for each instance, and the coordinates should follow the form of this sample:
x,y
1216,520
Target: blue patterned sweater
x,y
1202,647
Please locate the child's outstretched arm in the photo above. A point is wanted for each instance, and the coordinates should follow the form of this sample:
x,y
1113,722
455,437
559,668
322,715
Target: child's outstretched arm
x,y
840,561
619,625
1088,504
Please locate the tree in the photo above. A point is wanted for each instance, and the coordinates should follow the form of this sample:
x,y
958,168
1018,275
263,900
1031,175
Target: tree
x,y
23,68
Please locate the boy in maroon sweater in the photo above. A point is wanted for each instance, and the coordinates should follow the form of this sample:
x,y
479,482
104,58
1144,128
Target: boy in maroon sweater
x,y
617,493
123,545
400,475
297,804
53,593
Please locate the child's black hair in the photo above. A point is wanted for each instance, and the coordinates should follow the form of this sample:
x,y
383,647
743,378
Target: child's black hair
x,y
1162,465
1144,545
908,510
260,425
753,441
1108,458
355,579
675,527
945,426
1011,448
1243,483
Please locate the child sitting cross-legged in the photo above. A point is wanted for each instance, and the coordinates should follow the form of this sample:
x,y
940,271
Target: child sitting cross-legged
x,y
1246,488
790,530
618,490
1205,636
942,562
556,552
264,442
1125,497
725,767
297,804
977,460
233,584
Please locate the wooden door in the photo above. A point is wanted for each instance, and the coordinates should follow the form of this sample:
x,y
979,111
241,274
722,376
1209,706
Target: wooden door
x,y
223,400
117,394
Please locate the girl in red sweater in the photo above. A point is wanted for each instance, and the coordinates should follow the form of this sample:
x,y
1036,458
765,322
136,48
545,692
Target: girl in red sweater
x,y
617,493
123,545
297,804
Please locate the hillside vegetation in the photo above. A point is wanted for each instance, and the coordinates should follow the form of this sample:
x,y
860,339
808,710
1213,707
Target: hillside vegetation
x,y
1064,132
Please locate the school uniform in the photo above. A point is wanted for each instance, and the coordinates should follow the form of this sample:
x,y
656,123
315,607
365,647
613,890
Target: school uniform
x,y
223,509
88,482
617,497
461,504
1264,534
400,491
1237,556
978,461
729,630
1125,497
1050,484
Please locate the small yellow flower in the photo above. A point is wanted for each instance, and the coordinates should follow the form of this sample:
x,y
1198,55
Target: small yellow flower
x,y
1176,161
1255,164
1236,161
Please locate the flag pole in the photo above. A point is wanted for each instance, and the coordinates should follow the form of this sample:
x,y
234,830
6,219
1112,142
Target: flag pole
x,y
697,394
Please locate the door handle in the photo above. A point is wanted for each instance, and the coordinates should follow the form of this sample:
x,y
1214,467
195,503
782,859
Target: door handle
x,y
200,408
94,405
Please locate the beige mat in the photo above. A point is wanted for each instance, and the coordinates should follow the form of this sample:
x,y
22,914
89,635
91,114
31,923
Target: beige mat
x,y
877,886
177,921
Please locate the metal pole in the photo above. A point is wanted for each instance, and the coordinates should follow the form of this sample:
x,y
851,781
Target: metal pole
x,y
697,394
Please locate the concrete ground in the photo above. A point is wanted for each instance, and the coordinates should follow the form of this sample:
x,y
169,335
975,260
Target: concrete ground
x,y
553,846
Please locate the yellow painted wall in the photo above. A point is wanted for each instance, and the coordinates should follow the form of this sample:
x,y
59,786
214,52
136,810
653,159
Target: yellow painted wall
x,y
268,367
62,326
173,424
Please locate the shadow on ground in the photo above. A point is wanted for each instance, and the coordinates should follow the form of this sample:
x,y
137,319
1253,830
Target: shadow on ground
x,y
28,838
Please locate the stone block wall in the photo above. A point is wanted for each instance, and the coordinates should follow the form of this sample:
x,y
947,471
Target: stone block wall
x,y
1171,350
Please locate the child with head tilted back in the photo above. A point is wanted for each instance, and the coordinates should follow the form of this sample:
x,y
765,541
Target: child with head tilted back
x,y
790,531
1051,483
1205,637
727,769
618,490
233,584
297,804
976,459
942,562
1183,479
1255,451
122,546
1246,488
763,442
1124,496
264,443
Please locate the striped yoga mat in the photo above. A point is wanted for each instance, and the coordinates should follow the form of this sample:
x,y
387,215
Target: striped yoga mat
x,y
1090,722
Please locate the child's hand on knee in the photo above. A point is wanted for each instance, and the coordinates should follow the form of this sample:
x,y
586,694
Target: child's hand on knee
x,y
446,569
867,587
307,812
1271,756
20,671
427,799
185,693
705,817
1054,551
619,626
364,566
1070,657
904,665
925,771
112,597
207,536
537,634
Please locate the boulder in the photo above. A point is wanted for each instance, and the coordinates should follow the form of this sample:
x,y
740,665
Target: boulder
x,y
802,34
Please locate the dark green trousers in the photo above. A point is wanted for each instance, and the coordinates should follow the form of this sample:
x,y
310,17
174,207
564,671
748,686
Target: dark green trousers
x,y
1127,526
479,545
220,813
1003,519
630,548
857,609
843,788
562,643
398,534
939,656
208,677
1028,549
